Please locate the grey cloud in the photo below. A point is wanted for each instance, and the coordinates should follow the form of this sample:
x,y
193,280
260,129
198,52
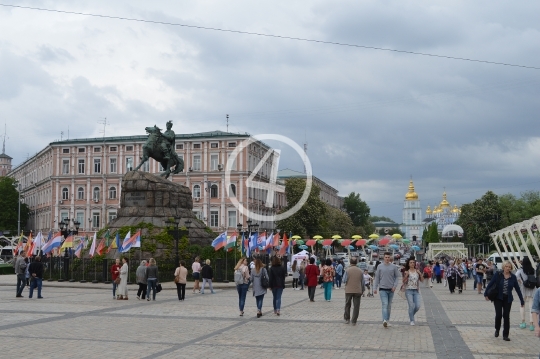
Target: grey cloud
x,y
53,54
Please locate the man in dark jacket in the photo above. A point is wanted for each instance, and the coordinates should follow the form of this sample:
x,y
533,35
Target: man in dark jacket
x,y
36,277
207,275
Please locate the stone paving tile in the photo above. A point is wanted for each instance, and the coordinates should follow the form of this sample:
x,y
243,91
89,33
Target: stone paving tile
x,y
7,317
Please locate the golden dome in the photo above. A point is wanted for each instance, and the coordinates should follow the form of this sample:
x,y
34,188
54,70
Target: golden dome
x,y
444,202
428,210
455,209
411,195
436,209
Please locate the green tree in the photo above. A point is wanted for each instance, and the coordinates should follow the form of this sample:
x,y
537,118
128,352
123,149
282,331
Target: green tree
x,y
380,218
480,218
518,209
357,209
309,219
337,222
433,233
9,205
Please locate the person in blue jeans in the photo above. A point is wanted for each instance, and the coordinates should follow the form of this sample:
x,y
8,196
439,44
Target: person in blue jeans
x,y
411,281
258,290
36,274
152,276
386,282
328,274
242,288
277,275
339,274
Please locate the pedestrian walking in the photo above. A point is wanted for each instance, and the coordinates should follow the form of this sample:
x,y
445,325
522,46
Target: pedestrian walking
x,y
451,276
411,282
241,278
505,282
302,277
36,274
438,272
465,273
152,277
258,289
115,273
180,279
386,281
427,276
207,274
140,275
295,268
328,274
277,283
535,310
354,289
122,287
312,275
20,265
196,269
480,269
339,274
527,289
460,275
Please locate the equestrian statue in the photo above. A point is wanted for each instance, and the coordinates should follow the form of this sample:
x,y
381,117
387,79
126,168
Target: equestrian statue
x,y
161,147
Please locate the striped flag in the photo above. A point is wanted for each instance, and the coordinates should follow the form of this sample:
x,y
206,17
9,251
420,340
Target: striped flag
x,y
231,241
220,241
79,249
93,247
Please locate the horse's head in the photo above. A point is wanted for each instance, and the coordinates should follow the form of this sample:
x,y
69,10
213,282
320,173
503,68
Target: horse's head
x,y
151,130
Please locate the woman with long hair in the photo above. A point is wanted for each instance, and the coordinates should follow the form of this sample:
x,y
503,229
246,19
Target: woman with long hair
x,y
295,274
302,277
328,273
122,287
277,282
505,282
411,280
242,268
151,278
196,268
528,293
258,290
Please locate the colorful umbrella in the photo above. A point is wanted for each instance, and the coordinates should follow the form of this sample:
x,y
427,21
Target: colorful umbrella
x,y
327,242
296,237
396,236
311,242
394,246
415,248
350,247
384,241
345,242
303,246
327,247
360,242
317,237
336,236
356,236
373,236
299,242
373,247
406,241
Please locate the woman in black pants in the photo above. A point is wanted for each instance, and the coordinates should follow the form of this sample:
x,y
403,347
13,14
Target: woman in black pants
x,y
505,282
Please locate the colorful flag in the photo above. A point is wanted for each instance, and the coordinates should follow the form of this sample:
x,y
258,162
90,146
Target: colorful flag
x,y
137,243
79,249
276,240
38,242
19,245
284,245
53,243
28,244
100,247
130,241
115,244
269,241
93,246
231,241
253,241
68,243
220,241
261,241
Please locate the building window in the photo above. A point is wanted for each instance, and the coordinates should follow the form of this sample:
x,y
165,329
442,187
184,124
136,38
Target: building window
x,y
214,191
214,218
213,162
82,150
97,165
196,191
112,216
97,149
232,144
196,163
80,193
129,164
81,166
96,194
80,218
231,219
180,146
233,165
232,190
65,150
112,166
95,220
214,145
198,215
65,167
146,166
413,216
129,148
113,149
63,216
112,192
65,193
197,145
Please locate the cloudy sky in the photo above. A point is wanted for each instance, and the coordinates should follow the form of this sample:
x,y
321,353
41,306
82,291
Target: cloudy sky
x,y
371,119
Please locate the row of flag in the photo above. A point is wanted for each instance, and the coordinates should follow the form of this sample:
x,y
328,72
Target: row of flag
x,y
56,242
254,243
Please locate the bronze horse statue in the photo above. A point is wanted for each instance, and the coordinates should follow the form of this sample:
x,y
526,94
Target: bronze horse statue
x,y
153,149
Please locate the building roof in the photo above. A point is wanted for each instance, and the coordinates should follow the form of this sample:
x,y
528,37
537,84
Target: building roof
x,y
385,224
3,155
288,173
186,136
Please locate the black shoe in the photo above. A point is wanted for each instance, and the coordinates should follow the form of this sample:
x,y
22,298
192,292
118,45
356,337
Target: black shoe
x,y
20,296
496,334
39,297
259,315
506,339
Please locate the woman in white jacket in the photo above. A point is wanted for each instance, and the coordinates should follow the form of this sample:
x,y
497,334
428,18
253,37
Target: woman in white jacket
x,y
122,287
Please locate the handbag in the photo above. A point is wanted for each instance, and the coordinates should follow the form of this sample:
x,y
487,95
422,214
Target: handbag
x,y
265,283
117,280
401,292
493,292
321,279
177,279
158,288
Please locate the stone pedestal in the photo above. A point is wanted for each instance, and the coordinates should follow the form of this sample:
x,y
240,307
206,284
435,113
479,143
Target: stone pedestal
x,y
152,199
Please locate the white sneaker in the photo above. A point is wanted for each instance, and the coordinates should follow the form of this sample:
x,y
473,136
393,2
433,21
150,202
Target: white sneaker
x,y
412,323
385,323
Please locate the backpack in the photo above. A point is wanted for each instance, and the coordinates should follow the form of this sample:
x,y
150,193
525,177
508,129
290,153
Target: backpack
x,y
265,283
238,277
530,282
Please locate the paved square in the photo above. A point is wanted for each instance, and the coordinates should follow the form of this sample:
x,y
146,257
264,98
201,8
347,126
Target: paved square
x,y
83,320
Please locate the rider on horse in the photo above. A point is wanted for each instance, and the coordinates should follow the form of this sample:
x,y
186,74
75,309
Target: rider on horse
x,y
167,144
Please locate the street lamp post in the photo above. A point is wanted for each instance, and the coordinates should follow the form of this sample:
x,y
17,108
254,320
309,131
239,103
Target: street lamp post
x,y
18,186
177,233
66,230
249,230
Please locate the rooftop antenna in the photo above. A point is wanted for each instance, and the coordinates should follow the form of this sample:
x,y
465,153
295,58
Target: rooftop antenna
x,y
4,142
68,132
227,123
61,135
105,124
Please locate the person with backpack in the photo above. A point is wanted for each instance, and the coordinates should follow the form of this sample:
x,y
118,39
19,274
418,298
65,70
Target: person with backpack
x,y
295,269
241,279
504,282
259,278
277,282
526,276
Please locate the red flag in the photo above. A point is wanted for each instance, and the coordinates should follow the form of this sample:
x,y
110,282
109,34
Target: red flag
x,y
284,245
276,240
100,247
